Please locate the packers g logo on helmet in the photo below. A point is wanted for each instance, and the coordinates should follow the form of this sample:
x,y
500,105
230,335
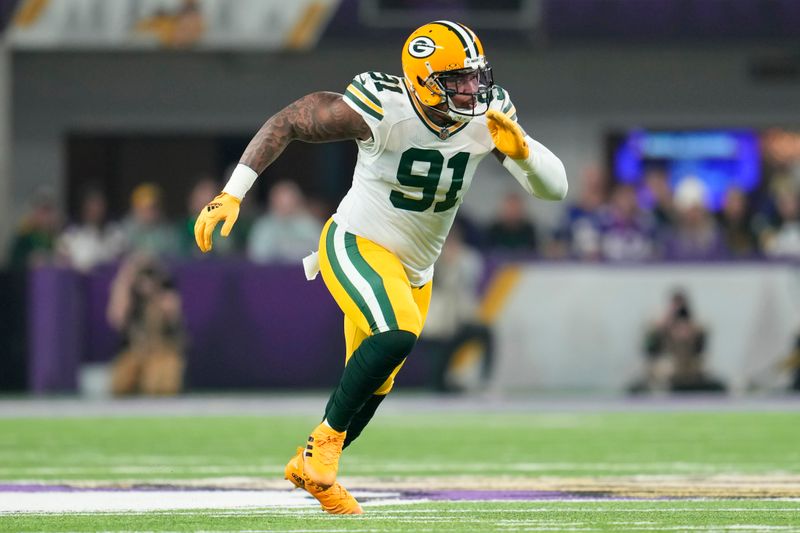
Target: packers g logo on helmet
x,y
420,47
443,59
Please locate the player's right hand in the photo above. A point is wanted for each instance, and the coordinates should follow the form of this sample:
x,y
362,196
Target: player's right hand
x,y
223,207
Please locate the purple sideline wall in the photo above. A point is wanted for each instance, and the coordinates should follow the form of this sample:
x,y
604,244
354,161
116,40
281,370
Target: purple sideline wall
x,y
250,326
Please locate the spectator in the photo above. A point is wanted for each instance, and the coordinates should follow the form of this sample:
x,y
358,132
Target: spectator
x,y
458,343
145,229
512,230
472,232
783,239
674,347
94,240
780,150
33,243
736,226
580,231
146,309
695,235
628,233
658,198
287,232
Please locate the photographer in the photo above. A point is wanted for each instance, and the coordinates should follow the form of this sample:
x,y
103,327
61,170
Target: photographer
x,y
146,309
458,343
674,347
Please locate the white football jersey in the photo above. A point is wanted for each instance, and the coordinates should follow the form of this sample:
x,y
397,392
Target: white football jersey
x,y
411,177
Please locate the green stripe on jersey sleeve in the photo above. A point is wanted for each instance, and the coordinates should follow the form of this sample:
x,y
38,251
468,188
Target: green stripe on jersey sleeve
x,y
361,105
360,86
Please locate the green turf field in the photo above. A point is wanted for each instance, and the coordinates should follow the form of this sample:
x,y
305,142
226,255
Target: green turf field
x,y
581,471
726,515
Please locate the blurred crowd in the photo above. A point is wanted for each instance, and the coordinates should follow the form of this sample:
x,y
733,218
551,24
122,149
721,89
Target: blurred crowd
x,y
658,218
286,230
657,222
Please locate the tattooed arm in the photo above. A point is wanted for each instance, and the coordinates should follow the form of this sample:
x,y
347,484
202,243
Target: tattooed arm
x,y
317,117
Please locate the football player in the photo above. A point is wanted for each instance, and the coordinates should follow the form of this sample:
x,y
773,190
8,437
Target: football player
x,y
420,138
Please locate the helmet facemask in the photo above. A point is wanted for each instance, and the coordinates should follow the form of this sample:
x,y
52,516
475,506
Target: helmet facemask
x,y
471,87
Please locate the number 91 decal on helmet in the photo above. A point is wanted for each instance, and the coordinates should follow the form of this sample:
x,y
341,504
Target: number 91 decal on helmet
x,y
444,65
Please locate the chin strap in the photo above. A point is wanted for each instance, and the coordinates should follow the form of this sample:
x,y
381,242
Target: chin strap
x,y
451,115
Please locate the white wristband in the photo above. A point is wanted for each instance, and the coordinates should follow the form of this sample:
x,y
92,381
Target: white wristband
x,y
241,180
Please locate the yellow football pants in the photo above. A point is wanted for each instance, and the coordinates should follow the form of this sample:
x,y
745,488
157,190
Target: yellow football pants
x,y
371,287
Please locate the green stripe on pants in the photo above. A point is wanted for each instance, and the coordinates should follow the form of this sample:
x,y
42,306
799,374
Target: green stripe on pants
x,y
373,278
348,286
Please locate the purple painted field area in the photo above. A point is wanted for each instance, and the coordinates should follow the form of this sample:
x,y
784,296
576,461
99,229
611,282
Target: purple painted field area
x,y
510,495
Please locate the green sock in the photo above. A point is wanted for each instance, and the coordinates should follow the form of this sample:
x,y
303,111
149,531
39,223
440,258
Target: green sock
x,y
362,418
370,365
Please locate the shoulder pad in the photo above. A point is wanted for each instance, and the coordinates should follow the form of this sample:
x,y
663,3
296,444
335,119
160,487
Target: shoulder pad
x,y
367,90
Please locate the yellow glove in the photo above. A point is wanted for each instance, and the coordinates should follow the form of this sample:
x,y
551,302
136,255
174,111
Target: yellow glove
x,y
507,135
223,207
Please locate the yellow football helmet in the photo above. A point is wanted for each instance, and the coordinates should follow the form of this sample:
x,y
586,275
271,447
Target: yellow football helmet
x,y
444,59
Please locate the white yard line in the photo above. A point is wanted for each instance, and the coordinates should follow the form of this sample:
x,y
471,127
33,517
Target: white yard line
x,y
136,501
281,502
116,501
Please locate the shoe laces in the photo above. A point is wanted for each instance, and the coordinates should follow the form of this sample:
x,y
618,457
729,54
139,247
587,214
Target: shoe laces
x,y
328,449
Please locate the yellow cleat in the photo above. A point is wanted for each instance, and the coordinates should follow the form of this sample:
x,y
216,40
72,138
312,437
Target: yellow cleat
x,y
334,500
321,456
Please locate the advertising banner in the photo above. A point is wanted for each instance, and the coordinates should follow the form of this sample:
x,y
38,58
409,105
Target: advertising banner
x,y
159,24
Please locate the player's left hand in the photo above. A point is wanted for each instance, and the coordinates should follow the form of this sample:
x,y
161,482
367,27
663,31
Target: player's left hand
x,y
508,137
223,207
